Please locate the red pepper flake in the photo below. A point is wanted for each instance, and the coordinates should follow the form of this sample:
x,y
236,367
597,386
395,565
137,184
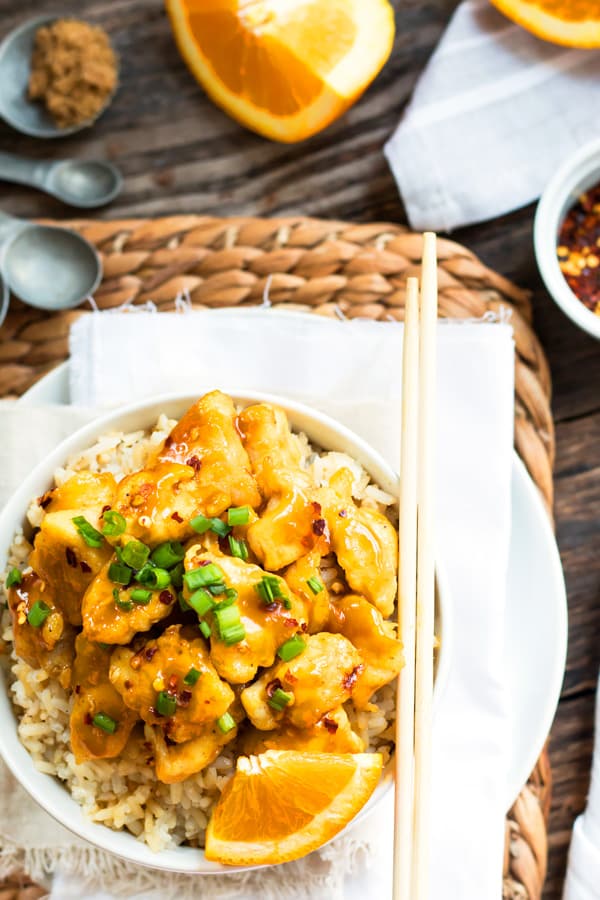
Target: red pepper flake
x,y
184,697
149,653
194,463
71,558
127,684
88,719
273,686
204,562
316,507
291,623
330,725
304,627
318,527
578,249
149,760
349,680
343,513
45,500
105,509
176,517
289,678
165,597
77,688
84,567
172,684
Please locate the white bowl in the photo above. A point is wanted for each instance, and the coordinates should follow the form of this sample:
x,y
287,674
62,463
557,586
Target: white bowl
x,y
578,173
48,791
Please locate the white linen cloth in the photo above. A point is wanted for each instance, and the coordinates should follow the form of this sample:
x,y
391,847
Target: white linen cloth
x,y
583,871
493,115
351,370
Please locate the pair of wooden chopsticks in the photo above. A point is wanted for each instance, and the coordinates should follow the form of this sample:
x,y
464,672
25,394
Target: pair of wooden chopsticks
x,y
416,584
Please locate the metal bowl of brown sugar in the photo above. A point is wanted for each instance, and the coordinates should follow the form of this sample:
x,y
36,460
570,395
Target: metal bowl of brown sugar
x,y
33,117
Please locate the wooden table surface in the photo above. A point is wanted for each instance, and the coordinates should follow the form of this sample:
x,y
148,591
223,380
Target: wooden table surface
x,y
180,154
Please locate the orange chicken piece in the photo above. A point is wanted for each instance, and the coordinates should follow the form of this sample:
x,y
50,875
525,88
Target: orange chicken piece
x,y
64,561
364,541
291,524
105,620
297,577
331,734
94,694
49,646
320,678
162,666
267,627
374,638
207,439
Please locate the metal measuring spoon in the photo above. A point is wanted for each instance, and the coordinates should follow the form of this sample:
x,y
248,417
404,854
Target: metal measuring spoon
x,y
83,183
46,266
15,68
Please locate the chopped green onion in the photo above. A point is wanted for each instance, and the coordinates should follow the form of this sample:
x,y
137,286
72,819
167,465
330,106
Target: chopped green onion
x,y
229,624
141,596
176,574
201,602
167,555
38,614
202,524
119,574
203,576
166,705
91,536
238,548
125,605
192,676
238,515
205,629
231,593
105,646
268,589
114,523
228,601
280,699
13,577
315,585
157,579
233,634
225,723
291,648
287,602
219,527
135,554
183,604
217,589
106,723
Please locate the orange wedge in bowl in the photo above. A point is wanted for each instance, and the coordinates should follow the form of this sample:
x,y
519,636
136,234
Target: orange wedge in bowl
x,y
574,23
282,804
284,68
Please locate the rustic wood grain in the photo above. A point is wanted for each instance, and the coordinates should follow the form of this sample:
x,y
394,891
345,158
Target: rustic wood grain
x,y
180,154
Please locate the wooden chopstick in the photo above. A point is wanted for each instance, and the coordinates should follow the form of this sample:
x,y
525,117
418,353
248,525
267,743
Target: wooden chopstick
x,y
425,569
416,585
407,594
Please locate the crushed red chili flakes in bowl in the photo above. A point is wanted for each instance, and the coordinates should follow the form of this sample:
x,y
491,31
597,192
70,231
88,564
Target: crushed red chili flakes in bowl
x,y
578,248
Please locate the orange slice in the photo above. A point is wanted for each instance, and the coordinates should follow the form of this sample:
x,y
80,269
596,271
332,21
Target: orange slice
x,y
574,23
282,804
284,68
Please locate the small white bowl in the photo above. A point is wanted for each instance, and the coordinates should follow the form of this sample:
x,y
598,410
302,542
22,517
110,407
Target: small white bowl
x,y
48,791
578,173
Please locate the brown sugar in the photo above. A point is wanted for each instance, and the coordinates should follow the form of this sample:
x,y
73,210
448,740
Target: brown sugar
x,y
73,71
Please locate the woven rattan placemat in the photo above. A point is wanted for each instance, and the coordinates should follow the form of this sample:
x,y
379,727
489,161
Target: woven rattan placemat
x,y
330,268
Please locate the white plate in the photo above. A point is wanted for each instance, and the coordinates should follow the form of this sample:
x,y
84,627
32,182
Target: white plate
x,y
536,617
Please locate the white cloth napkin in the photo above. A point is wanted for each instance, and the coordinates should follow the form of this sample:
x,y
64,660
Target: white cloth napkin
x,y
492,116
351,370
583,872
